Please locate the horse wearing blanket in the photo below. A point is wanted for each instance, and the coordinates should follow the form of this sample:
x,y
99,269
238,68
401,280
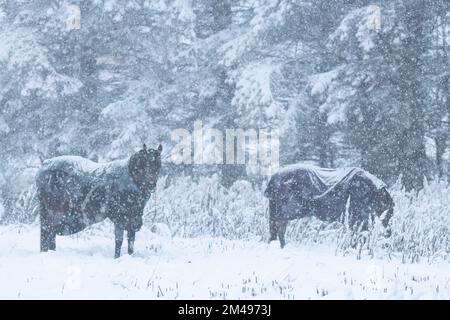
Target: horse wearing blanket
x,y
75,193
298,191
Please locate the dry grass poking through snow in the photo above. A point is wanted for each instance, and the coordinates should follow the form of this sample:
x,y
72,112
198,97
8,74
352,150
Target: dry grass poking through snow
x,y
190,209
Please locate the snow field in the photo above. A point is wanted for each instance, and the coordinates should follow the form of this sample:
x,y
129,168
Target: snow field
x,y
203,268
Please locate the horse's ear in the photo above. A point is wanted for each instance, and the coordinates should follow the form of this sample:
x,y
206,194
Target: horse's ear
x,y
144,147
160,148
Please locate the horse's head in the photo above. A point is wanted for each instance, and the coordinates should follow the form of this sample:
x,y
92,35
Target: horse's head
x,y
144,167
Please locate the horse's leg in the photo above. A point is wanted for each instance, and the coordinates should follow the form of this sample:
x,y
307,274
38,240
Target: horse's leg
x,y
282,225
272,220
353,228
52,241
272,229
364,229
118,233
359,223
48,234
131,236
48,238
385,222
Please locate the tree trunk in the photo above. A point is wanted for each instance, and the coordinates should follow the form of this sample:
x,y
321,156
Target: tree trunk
x,y
413,158
441,144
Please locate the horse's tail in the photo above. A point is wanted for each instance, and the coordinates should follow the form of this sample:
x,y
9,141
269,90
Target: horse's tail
x,y
50,186
47,182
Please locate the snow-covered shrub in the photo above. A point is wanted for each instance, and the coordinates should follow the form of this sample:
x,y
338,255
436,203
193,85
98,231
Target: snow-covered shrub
x,y
204,207
161,229
23,208
421,223
18,193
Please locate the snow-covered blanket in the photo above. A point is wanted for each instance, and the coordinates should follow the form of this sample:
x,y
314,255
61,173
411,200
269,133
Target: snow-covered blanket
x,y
300,190
78,192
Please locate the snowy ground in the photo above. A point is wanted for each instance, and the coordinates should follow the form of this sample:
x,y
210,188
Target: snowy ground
x,y
203,268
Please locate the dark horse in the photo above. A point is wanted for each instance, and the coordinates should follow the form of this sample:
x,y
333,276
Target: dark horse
x,y
298,191
75,193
